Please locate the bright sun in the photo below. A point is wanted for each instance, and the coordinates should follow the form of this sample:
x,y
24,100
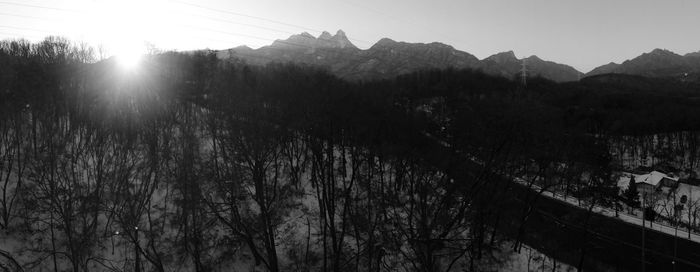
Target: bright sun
x,y
129,55
124,36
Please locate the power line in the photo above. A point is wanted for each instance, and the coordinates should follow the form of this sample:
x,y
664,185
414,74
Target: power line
x,y
19,35
243,24
209,18
39,7
175,1
396,18
348,54
255,17
616,240
226,32
240,14
26,16
191,14
30,29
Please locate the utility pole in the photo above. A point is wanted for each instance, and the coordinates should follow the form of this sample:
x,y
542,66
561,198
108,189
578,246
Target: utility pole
x,y
675,235
643,227
137,256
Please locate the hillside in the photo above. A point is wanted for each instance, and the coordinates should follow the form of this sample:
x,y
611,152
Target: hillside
x,y
389,58
657,63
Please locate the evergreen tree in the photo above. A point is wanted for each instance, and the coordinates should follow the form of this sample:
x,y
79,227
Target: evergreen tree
x,y
632,194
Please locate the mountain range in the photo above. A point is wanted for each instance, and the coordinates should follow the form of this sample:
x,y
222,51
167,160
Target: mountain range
x,y
657,63
388,58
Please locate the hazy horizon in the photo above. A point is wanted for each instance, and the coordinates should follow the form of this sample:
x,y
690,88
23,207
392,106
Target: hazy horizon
x,y
583,35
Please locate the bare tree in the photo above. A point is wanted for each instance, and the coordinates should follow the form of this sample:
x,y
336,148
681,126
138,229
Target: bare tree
x,y
429,215
15,153
254,184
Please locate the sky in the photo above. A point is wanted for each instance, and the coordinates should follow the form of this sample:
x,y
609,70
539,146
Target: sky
x,y
583,34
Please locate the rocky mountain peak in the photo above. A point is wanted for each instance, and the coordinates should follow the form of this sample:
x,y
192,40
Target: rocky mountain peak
x,y
388,58
660,51
341,40
439,45
656,56
325,36
297,41
308,41
503,57
659,55
534,58
385,42
657,63
242,48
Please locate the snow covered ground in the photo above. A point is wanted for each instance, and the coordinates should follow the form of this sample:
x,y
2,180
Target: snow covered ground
x,y
623,215
664,201
529,259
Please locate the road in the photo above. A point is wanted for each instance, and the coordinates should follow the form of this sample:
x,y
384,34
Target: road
x,y
556,228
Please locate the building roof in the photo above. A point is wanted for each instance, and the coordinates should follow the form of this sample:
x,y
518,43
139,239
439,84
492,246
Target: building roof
x,y
652,178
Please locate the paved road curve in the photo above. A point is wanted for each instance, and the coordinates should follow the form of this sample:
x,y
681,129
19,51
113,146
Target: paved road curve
x,y
556,228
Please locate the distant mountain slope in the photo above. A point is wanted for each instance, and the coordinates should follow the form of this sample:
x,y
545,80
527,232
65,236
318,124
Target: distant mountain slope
x,y
388,58
604,69
504,64
694,54
508,65
657,63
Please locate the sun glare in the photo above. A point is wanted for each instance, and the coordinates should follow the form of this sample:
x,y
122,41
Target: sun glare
x,y
123,27
129,55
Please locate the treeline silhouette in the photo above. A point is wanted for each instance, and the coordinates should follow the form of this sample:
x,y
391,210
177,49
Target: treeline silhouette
x,y
190,161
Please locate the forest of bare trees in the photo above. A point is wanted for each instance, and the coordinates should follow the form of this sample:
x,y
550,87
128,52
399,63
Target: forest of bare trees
x,y
199,164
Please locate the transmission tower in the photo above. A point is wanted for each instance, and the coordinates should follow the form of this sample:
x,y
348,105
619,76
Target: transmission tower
x,y
523,72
